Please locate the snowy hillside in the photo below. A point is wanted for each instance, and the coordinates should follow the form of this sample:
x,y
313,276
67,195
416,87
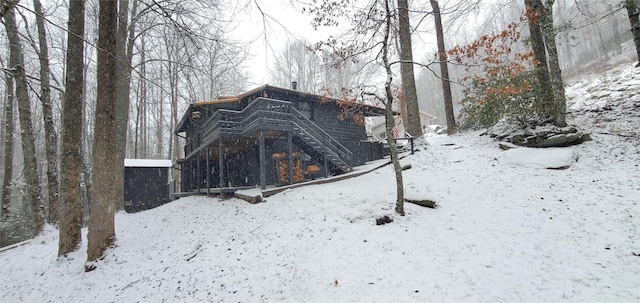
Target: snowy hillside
x,y
607,103
505,230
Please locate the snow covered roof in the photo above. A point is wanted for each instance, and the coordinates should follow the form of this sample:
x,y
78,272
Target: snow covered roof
x,y
147,163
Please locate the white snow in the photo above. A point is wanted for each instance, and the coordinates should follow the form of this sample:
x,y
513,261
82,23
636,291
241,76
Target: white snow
x,y
501,233
541,158
147,163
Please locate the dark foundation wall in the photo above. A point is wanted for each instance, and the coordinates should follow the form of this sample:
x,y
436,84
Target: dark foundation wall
x,y
145,188
364,151
243,168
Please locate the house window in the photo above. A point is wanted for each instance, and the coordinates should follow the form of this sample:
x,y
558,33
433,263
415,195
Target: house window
x,y
306,109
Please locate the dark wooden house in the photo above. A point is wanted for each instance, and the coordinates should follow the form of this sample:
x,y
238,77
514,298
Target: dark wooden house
x,y
146,184
270,136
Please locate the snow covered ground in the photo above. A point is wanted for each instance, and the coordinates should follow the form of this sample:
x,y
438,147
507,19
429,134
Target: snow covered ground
x,y
608,102
505,231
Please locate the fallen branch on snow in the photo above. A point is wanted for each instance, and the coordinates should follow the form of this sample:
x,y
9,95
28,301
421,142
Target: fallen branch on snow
x,y
194,252
12,246
423,203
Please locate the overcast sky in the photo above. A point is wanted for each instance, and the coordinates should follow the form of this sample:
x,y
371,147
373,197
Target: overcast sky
x,y
268,34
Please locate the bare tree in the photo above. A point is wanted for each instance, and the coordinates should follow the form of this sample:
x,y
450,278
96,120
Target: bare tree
x,y
171,40
341,79
53,183
296,62
173,68
125,39
8,157
71,167
141,112
406,71
105,172
16,65
370,33
444,70
390,122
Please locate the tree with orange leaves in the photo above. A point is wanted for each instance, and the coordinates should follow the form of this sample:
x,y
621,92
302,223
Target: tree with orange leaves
x,y
506,87
524,86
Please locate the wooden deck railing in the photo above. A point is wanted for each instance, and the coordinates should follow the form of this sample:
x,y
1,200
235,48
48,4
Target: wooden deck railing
x,y
269,114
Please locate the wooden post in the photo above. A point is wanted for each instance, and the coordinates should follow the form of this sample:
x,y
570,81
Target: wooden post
x,y
220,163
326,167
263,162
411,145
208,171
198,172
190,174
183,177
290,155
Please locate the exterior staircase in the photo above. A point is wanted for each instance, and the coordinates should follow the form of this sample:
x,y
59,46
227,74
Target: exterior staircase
x,y
321,142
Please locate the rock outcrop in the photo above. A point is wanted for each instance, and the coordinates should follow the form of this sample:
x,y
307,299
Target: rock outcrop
x,y
546,135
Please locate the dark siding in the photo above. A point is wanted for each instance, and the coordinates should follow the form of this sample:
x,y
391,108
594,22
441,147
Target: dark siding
x,y
145,188
326,115
365,151
345,131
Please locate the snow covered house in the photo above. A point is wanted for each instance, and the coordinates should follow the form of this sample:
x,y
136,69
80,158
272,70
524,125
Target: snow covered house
x,y
270,136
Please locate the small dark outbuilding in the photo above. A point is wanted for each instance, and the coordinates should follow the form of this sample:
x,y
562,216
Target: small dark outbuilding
x,y
146,184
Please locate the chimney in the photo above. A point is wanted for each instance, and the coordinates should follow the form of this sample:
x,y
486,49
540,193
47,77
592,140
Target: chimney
x,y
294,85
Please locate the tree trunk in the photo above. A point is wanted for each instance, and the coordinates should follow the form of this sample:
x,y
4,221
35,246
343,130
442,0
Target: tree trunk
x,y
555,71
143,101
616,32
544,90
174,144
633,11
85,152
50,132
160,125
413,126
105,161
8,157
444,70
72,121
391,141
123,85
16,65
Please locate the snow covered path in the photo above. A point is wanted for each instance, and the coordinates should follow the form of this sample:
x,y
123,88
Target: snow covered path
x,y
502,233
